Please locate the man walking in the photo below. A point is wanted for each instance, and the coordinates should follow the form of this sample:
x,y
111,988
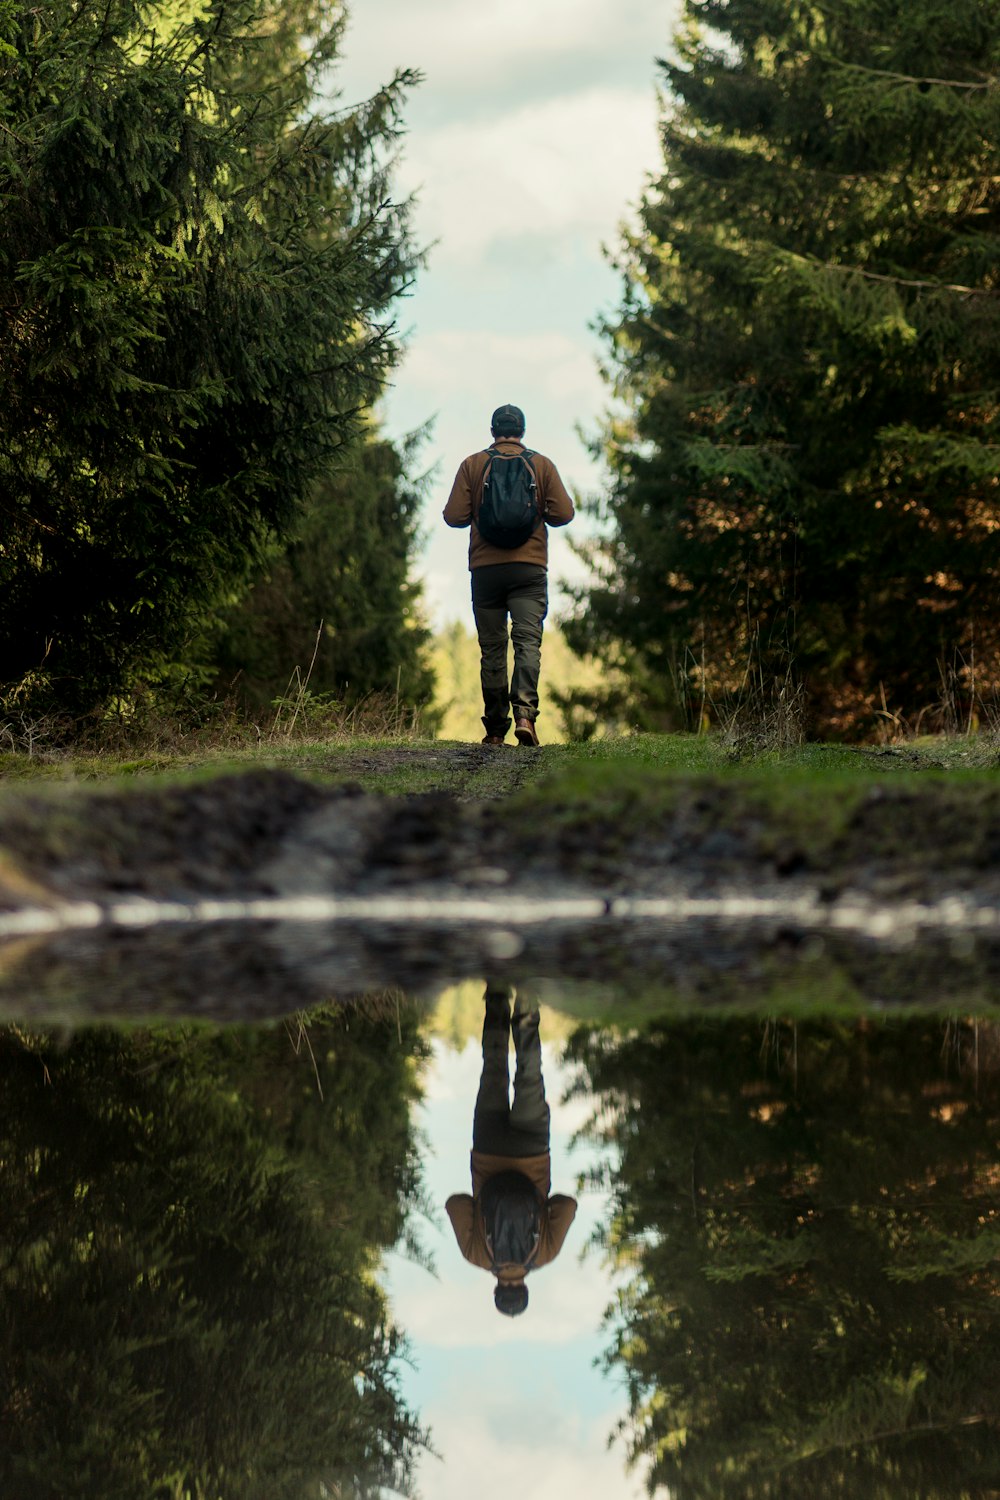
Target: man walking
x,y
511,1223
509,565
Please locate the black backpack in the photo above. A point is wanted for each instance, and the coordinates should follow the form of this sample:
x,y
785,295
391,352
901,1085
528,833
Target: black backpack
x,y
508,511
509,1207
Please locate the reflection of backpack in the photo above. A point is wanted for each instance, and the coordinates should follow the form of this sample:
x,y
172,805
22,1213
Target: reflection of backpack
x,y
509,1206
508,511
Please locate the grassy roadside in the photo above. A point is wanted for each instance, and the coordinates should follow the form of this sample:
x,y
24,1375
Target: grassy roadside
x,y
934,803
642,776
598,769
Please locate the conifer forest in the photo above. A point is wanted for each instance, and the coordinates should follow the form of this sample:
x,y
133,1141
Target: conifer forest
x,y
198,267
201,256
805,479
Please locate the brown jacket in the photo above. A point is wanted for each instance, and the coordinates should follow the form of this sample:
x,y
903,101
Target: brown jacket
x,y
467,492
557,1212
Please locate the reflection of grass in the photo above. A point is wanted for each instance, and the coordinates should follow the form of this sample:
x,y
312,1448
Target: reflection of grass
x,y
798,987
816,988
823,984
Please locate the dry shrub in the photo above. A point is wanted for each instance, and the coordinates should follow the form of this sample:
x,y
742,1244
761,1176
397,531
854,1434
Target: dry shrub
x,y
149,725
766,715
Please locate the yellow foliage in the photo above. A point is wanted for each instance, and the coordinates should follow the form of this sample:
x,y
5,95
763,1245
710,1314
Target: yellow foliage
x,y
457,1016
455,660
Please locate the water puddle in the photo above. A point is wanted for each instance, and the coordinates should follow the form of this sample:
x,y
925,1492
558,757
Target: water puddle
x,y
763,1256
263,957
426,1173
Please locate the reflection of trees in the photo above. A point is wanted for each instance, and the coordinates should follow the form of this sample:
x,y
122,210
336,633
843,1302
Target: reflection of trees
x,y
188,1235
807,1221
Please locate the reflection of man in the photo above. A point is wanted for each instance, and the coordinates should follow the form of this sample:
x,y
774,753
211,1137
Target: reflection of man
x,y
510,1225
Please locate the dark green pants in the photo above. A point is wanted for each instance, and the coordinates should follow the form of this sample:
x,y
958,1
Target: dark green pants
x,y
501,1127
520,591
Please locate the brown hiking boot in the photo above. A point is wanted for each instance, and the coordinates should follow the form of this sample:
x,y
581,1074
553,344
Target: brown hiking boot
x,y
524,730
493,739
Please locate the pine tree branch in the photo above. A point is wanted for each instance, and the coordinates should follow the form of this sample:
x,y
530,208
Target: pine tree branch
x,y
857,1440
923,285
206,44
989,82
14,135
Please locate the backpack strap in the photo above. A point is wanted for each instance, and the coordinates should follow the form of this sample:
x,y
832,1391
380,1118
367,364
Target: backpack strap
x,y
528,455
477,499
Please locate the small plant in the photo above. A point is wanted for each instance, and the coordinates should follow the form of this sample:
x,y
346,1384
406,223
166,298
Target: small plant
x,y
759,709
765,715
27,734
300,714
26,731
967,703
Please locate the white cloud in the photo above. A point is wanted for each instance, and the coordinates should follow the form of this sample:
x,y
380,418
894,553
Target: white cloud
x,y
446,1079
571,1117
567,1298
568,1458
475,364
475,47
562,171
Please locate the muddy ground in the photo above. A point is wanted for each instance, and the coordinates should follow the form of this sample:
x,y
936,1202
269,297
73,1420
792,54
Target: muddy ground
x,y
896,853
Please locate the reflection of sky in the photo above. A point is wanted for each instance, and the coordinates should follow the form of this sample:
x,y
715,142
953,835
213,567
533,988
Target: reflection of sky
x,y
515,1406
528,142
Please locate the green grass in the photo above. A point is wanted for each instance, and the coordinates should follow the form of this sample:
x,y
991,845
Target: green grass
x,y
618,776
327,759
815,786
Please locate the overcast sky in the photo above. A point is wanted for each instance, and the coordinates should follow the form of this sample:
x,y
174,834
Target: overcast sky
x,y
528,143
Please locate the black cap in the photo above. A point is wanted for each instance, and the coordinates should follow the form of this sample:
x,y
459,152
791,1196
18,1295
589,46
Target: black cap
x,y
511,1299
508,420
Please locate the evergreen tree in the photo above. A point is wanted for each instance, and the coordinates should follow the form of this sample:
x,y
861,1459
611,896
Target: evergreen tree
x,y
805,1224
340,589
806,475
192,1225
195,274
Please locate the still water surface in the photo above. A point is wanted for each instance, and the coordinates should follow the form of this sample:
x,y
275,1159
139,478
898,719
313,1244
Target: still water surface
x,y
233,1258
